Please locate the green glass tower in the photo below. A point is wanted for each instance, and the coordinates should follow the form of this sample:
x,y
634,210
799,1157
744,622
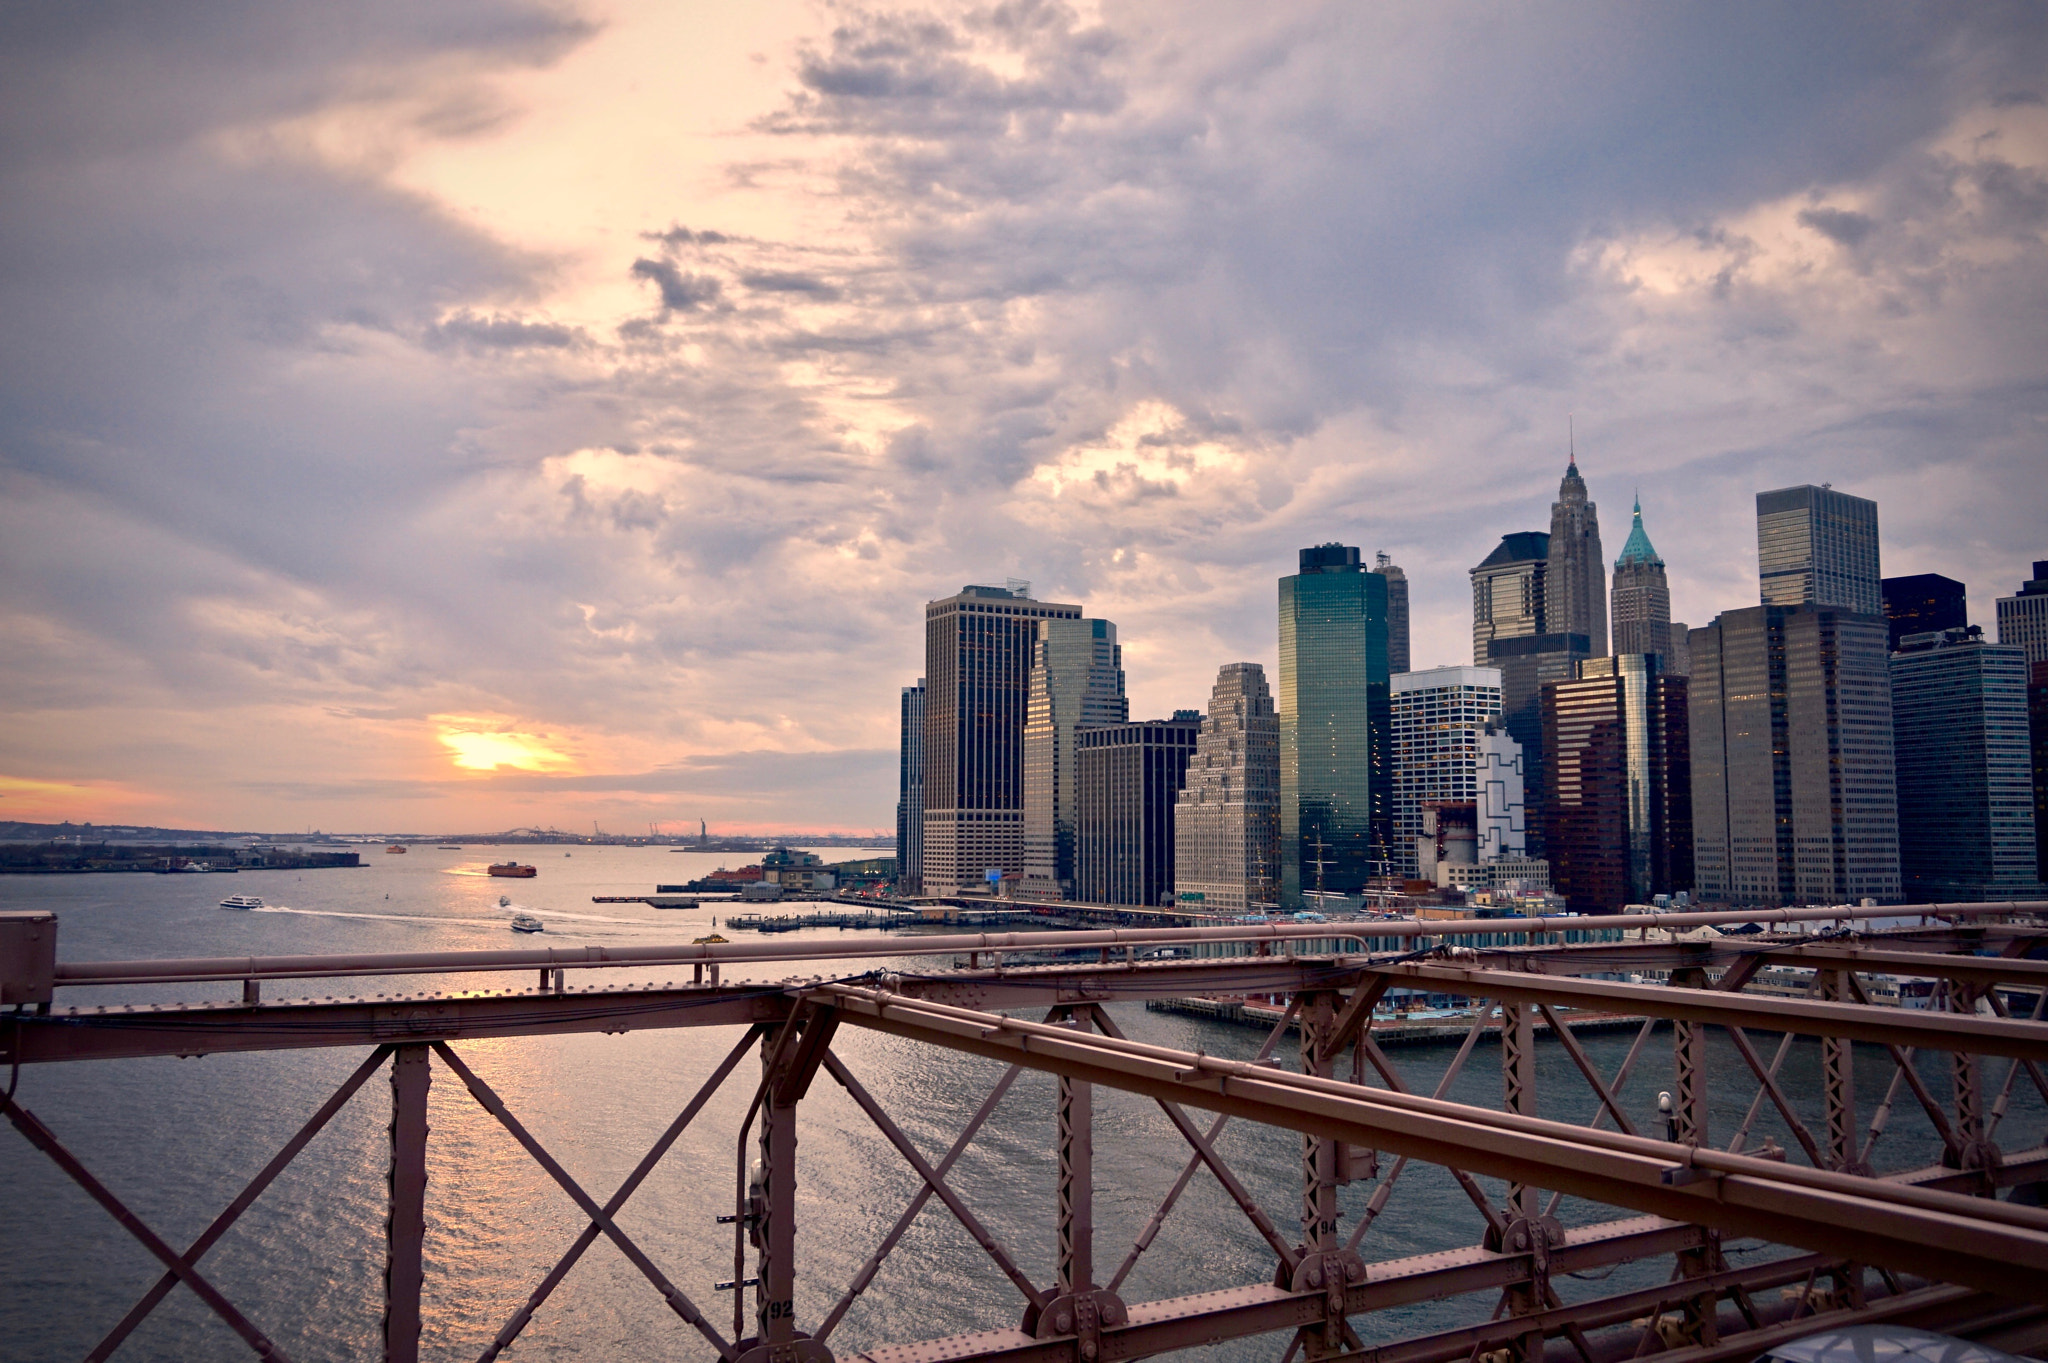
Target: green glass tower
x,y
1334,725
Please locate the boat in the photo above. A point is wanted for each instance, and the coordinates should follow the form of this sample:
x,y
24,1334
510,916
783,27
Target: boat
x,y
526,922
513,868
451,847
394,847
241,901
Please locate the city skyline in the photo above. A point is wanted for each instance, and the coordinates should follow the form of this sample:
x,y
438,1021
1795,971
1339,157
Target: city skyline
x,y
556,416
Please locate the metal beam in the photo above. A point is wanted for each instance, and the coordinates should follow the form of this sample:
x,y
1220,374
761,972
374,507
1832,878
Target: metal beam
x,y
1808,1017
405,1227
1996,1246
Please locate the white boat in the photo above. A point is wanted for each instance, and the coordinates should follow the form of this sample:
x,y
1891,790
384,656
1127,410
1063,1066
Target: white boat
x,y
241,901
526,922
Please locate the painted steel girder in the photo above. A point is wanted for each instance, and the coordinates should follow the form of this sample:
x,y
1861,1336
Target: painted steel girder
x,y
1919,1028
1990,1245
1234,1313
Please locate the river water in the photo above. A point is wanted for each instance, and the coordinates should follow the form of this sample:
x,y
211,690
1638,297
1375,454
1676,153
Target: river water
x,y
177,1139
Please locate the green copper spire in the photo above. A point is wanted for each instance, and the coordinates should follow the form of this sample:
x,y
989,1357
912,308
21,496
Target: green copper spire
x,y
1638,549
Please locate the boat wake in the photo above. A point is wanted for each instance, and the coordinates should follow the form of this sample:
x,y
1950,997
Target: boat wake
x,y
420,918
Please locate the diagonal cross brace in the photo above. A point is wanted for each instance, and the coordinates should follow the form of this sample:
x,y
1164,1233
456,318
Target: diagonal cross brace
x,y
670,1293
654,1155
837,1068
211,1236
1206,1152
43,1139
868,1270
1385,1191
1187,1173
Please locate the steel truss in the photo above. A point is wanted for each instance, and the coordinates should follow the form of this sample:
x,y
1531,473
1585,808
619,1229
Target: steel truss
x,y
1935,1247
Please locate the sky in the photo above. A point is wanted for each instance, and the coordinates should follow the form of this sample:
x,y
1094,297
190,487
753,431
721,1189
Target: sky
x,y
484,414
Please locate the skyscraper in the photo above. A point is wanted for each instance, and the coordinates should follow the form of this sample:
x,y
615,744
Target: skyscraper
x,y
2037,741
1966,797
1077,679
1397,612
1502,805
1439,718
1333,706
1642,597
910,791
1575,587
2023,617
1130,782
977,653
1923,603
1226,829
1679,660
1794,792
1618,807
1818,547
1508,592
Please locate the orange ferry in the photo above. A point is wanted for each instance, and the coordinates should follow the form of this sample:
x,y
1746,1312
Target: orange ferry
x,y
513,868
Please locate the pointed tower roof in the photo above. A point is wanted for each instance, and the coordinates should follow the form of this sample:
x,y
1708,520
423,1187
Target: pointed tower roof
x,y
1638,549
1572,489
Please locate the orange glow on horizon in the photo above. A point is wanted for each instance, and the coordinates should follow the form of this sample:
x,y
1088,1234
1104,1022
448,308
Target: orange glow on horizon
x,y
480,745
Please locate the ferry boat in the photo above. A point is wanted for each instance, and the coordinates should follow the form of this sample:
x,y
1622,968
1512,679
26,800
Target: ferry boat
x,y
513,868
241,901
526,922
395,847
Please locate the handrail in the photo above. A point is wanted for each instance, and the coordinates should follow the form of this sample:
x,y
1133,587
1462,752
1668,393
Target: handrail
x,y
201,969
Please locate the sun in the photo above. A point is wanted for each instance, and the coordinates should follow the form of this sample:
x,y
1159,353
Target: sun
x,y
480,745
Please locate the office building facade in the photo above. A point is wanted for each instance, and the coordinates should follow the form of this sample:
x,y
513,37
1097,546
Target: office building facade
x,y
2023,616
1526,665
1575,585
1508,592
1818,547
1130,781
978,650
1966,789
1333,703
1618,806
1226,833
1397,612
1923,603
2037,739
1077,680
1501,803
1794,790
1439,717
1679,661
1642,597
910,790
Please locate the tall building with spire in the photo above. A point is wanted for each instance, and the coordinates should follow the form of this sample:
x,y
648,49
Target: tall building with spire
x,y
1642,598
1077,681
1227,827
1397,612
1575,585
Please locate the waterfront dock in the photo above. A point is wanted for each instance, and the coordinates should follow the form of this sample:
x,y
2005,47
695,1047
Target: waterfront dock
x,y
1433,1028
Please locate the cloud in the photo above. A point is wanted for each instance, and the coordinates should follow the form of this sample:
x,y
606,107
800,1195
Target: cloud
x,y
680,292
299,450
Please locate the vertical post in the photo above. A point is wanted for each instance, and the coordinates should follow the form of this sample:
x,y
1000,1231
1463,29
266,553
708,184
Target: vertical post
x,y
1518,1088
1318,1156
775,1295
406,1228
1077,1183
1689,1065
1838,1079
1969,1083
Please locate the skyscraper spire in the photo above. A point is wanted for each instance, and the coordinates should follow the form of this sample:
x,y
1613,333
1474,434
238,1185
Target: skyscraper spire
x,y
1575,587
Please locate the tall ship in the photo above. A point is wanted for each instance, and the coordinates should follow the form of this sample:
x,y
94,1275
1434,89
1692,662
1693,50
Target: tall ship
x,y
513,868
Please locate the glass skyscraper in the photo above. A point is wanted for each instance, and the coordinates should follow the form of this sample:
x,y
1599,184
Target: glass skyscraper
x,y
1818,547
1397,612
1077,680
1130,781
1619,804
1966,798
1334,717
1923,603
910,791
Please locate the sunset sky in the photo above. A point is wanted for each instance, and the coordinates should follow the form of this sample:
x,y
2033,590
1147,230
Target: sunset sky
x,y
456,416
